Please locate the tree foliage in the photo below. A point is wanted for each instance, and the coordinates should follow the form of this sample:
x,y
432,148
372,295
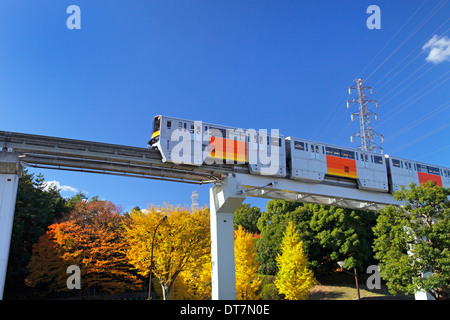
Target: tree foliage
x,y
182,243
246,267
328,233
36,208
247,217
90,237
412,241
293,279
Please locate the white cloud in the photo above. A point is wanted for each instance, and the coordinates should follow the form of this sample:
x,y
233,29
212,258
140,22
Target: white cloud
x,y
58,185
439,49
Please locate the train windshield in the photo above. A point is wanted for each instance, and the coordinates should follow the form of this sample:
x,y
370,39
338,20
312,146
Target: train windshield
x,y
156,123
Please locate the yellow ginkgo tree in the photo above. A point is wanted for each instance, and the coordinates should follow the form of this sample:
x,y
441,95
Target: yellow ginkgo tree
x,y
293,279
181,244
246,267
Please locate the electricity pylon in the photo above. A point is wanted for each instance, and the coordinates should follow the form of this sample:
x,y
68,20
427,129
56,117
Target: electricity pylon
x,y
366,132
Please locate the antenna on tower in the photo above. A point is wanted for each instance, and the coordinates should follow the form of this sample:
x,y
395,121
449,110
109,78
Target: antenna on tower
x,y
366,132
194,198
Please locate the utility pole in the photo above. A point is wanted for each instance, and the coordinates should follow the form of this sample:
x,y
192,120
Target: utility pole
x,y
366,133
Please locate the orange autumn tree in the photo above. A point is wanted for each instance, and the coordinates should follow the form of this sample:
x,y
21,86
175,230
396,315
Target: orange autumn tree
x,y
91,238
181,246
48,269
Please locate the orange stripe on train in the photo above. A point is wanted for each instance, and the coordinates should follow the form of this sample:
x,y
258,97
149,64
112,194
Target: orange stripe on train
x,y
341,167
425,177
228,149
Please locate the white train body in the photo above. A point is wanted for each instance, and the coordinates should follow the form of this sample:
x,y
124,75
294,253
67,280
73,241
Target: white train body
x,y
194,143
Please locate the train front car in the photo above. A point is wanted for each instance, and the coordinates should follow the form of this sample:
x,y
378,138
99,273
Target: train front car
x,y
191,142
312,161
403,171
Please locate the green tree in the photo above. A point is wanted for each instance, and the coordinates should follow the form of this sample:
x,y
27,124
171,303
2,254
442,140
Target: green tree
x,y
412,241
247,217
272,225
344,234
36,209
328,233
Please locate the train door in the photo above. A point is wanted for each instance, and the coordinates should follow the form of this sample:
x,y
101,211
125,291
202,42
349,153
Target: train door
x,y
364,160
196,131
315,154
409,168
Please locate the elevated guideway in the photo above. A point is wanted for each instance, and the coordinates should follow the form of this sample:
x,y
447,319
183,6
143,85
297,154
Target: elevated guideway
x,y
104,158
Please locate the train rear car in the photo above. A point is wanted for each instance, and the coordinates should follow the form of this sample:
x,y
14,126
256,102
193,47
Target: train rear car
x,y
402,172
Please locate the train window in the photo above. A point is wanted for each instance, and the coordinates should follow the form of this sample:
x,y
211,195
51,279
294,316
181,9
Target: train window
x,y
421,168
323,149
216,132
185,126
169,124
378,159
275,141
415,168
298,145
198,129
356,155
156,123
192,128
433,170
396,163
180,125
371,158
441,172
333,152
306,145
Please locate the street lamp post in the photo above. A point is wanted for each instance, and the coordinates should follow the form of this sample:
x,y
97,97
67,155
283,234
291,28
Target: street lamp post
x,y
151,257
341,265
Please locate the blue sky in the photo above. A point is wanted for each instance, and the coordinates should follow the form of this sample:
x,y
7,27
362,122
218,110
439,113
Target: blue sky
x,y
250,64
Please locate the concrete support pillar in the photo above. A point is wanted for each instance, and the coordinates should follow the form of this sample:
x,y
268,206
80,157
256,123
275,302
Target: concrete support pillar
x,y
225,198
10,172
423,295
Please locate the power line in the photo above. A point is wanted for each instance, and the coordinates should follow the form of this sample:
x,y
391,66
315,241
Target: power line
x,y
401,28
420,120
420,45
417,28
433,152
440,83
397,92
406,145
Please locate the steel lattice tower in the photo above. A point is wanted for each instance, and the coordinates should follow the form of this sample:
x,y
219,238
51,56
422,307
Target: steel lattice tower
x,y
366,132
194,198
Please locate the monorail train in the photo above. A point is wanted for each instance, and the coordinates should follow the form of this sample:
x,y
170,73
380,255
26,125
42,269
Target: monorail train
x,y
195,142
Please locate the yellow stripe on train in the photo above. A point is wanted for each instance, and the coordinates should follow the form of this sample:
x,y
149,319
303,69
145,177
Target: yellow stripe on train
x,y
156,133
